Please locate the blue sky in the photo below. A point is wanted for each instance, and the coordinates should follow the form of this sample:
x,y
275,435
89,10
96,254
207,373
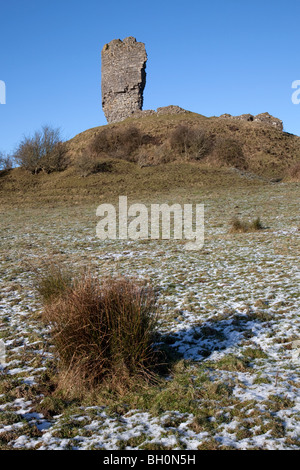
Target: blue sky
x,y
211,57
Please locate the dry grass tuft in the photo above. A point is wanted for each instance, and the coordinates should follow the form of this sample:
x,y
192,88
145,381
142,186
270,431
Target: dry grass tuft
x,y
53,282
239,226
103,332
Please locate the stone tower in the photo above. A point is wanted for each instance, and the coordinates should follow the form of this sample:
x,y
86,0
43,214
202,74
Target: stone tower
x,y
123,78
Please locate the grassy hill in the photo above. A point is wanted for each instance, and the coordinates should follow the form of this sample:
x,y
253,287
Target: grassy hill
x,y
228,314
220,153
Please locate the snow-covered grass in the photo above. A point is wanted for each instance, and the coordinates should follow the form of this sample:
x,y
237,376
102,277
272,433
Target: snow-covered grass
x,y
229,312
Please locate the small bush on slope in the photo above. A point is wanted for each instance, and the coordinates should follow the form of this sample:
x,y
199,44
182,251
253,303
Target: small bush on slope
x,y
44,151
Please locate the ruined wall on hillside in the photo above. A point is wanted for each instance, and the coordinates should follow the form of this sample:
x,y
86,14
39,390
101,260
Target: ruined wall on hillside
x,y
264,118
123,78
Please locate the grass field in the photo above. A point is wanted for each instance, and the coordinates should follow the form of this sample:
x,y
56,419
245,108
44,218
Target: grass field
x,y
229,314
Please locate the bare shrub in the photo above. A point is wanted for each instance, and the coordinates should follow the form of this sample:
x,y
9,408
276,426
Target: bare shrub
x,y
87,164
44,151
105,142
190,142
130,140
230,152
119,143
158,155
103,331
6,162
55,160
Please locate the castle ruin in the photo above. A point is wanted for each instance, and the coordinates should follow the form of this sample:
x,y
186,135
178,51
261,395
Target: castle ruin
x,y
123,78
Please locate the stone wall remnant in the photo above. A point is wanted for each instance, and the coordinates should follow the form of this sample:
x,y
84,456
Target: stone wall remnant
x,y
264,118
123,78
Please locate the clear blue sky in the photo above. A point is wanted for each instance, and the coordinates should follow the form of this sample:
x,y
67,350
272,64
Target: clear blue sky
x,y
211,57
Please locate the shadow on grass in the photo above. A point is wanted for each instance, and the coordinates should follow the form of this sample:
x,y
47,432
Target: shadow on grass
x,y
198,342
177,352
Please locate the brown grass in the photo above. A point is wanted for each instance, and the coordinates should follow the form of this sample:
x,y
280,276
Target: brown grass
x,y
20,188
52,282
190,143
293,172
103,332
119,142
239,226
266,152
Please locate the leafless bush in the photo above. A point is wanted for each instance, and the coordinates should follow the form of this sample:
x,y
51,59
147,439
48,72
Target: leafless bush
x,y
160,154
192,143
119,143
293,172
230,152
88,164
43,152
6,162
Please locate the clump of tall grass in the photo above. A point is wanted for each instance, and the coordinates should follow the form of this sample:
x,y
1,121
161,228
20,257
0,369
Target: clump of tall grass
x,y
52,282
103,331
240,226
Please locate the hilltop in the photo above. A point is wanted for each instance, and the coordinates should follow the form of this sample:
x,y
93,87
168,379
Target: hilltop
x,y
160,152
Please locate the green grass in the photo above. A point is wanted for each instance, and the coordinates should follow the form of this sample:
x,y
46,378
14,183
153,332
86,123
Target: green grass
x,y
230,285
68,189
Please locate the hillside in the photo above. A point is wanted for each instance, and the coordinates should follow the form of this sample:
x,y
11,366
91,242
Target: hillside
x,y
232,152
267,150
227,314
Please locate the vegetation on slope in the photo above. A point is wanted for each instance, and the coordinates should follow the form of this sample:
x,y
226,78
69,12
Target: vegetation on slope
x,y
155,153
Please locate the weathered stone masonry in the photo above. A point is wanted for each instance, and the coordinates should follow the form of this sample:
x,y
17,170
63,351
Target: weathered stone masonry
x,y
123,78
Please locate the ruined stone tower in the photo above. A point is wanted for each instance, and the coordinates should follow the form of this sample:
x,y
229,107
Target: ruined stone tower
x,y
123,78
